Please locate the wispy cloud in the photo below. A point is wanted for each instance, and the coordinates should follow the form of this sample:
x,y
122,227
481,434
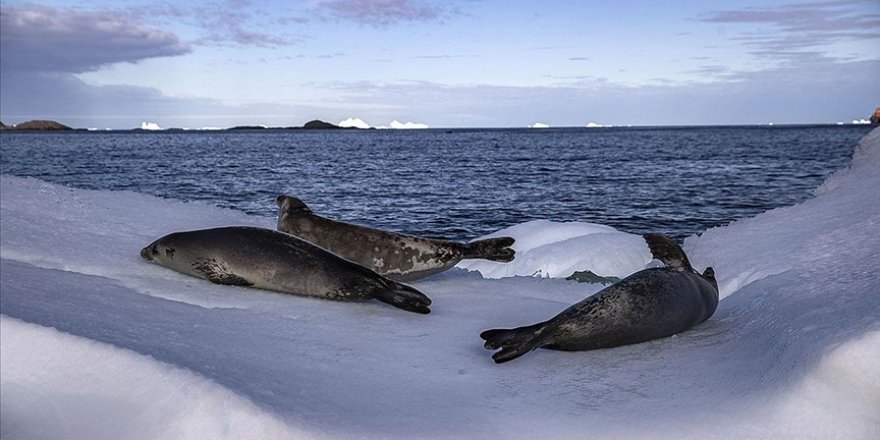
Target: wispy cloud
x,y
797,27
382,12
225,23
230,23
45,39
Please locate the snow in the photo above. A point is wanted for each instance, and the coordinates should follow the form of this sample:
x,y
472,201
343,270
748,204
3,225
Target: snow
x,y
556,250
98,344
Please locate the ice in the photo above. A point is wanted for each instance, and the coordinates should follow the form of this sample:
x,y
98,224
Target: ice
x,y
97,343
353,122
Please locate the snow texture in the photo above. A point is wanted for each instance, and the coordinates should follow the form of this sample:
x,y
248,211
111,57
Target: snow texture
x,y
98,344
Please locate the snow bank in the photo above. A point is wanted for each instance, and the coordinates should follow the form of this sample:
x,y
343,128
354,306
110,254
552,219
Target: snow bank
x,y
58,386
790,353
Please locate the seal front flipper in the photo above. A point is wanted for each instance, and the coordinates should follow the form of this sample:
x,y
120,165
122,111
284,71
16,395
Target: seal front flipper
x,y
492,249
403,297
514,342
667,251
217,273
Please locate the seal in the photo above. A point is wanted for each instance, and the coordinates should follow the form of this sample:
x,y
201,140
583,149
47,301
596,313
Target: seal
x,y
649,304
397,256
267,259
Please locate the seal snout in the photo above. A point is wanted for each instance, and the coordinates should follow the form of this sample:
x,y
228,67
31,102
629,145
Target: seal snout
x,y
148,252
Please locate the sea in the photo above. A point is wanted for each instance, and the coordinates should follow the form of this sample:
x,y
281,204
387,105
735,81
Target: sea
x,y
458,183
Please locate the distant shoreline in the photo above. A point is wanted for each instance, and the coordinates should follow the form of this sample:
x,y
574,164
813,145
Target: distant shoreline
x,y
318,125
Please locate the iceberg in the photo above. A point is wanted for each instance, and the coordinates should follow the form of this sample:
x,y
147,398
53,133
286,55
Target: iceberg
x,y
98,344
408,125
353,122
151,126
539,125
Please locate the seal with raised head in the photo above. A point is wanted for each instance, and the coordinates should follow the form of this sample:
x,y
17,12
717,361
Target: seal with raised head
x,y
267,259
649,304
397,256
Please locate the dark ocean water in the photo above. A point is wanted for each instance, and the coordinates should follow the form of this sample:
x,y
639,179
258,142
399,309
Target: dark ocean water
x,y
459,184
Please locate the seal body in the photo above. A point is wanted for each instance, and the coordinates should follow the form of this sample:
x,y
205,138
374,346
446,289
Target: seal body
x,y
267,259
397,256
649,304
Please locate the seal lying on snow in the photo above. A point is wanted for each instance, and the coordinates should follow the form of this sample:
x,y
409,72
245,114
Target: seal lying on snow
x,y
396,256
266,259
646,305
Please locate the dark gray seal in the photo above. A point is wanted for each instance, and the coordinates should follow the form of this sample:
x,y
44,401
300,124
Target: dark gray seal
x,y
397,256
267,259
649,304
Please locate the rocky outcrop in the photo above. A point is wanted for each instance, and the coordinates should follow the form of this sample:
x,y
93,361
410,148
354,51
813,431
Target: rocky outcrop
x,y
248,127
319,125
875,118
40,125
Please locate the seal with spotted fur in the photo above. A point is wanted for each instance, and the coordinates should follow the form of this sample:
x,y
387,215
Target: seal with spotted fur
x,y
397,256
649,304
267,259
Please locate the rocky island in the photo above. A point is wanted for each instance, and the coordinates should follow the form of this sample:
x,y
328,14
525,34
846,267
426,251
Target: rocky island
x,y
36,125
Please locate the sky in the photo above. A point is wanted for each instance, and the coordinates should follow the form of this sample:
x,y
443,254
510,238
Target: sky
x,y
466,63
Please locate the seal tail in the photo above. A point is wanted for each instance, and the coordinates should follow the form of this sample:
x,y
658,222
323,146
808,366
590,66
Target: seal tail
x,y
493,249
403,297
514,342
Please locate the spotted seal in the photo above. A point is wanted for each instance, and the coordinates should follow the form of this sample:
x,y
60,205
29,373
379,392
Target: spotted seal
x,y
649,304
397,256
267,259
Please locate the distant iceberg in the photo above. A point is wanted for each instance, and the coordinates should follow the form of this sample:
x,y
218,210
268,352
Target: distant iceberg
x,y
539,125
861,122
151,126
353,122
592,124
395,124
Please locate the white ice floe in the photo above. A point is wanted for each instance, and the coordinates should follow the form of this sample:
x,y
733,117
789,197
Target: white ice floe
x,y
138,351
539,125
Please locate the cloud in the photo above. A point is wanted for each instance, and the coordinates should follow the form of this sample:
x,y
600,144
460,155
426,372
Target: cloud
x,y
227,24
65,98
382,12
776,94
46,39
798,27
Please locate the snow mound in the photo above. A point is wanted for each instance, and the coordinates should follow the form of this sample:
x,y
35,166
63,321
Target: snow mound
x,y
57,386
556,250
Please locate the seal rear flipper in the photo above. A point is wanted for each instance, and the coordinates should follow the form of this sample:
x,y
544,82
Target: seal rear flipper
x,y
667,251
403,297
492,249
514,342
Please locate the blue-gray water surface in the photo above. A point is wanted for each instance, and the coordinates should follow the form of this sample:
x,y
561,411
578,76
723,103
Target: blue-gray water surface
x,y
458,184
